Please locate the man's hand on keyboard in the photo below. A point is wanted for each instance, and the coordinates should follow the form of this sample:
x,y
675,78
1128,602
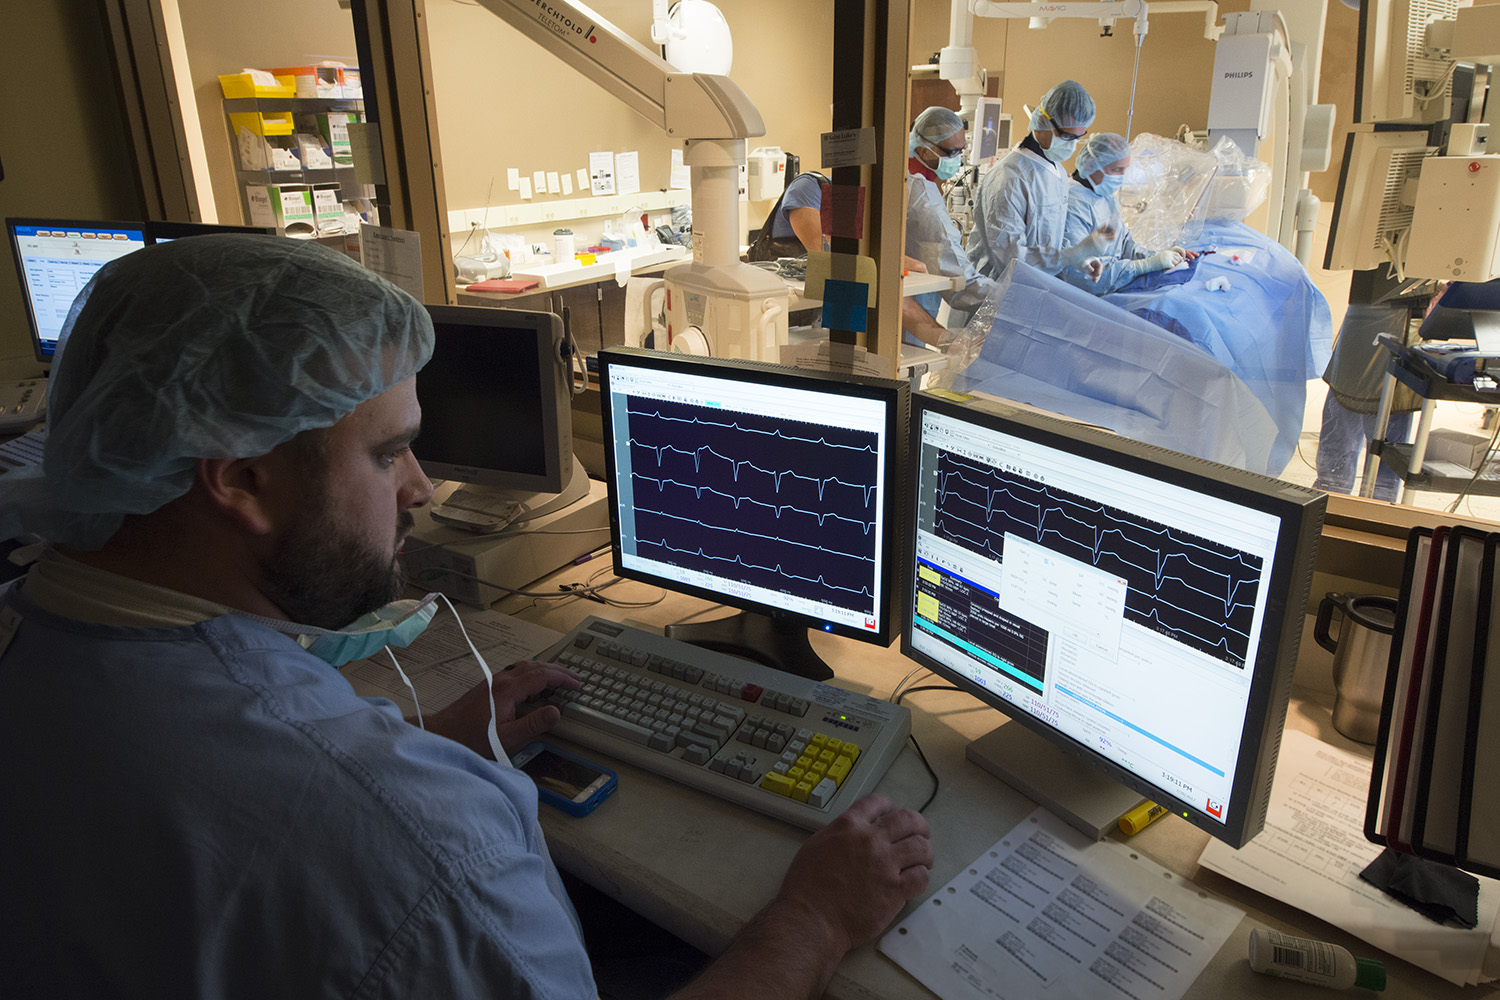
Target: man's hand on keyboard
x,y
467,720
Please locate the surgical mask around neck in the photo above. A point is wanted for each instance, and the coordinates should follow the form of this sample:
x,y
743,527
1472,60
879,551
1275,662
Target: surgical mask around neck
x,y
948,166
1061,148
396,624
1110,184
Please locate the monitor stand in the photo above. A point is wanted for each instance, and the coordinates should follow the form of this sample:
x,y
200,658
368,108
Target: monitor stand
x,y
1072,789
541,504
774,640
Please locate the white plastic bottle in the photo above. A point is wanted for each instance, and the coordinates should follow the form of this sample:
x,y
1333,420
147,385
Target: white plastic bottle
x,y
1307,961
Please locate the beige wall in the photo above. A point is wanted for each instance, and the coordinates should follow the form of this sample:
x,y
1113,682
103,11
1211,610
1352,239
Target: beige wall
x,y
62,142
503,101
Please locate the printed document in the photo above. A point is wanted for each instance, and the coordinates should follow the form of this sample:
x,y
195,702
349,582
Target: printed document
x,y
439,662
1313,848
1047,909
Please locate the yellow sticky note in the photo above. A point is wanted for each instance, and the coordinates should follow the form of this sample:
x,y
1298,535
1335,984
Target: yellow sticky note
x,y
822,265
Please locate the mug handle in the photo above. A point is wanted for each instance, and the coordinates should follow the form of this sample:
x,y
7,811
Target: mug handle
x,y
1325,618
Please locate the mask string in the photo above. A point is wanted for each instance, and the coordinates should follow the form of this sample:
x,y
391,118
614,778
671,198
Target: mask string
x,y
409,686
489,678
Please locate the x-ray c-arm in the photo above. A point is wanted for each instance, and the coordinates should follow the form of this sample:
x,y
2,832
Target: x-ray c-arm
x,y
715,303
684,105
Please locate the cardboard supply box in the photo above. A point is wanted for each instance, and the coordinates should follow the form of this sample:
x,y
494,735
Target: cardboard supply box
x,y
323,81
1460,447
333,126
288,207
328,209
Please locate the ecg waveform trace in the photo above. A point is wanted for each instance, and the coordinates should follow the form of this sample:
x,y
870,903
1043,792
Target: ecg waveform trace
x,y
782,504
1199,592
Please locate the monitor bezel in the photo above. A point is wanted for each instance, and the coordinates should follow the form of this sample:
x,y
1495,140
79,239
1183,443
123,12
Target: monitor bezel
x,y
12,224
895,391
158,230
1300,514
552,374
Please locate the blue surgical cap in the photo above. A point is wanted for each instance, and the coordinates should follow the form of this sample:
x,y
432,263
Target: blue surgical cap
x,y
932,127
1066,105
1099,150
205,347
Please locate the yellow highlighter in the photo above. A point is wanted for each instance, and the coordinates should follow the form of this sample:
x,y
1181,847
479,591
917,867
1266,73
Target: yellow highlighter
x,y
1142,816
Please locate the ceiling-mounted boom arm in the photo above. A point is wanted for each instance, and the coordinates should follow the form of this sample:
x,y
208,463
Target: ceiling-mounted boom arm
x,y
684,105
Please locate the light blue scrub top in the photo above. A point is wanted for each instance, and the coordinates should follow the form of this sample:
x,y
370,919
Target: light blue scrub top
x,y
210,811
1020,211
1087,211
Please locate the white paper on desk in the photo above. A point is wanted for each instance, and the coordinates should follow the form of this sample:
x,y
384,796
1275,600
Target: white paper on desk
x,y
1048,909
439,662
1313,848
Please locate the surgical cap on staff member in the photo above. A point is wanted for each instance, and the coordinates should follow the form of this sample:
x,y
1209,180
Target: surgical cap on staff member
x,y
206,347
1099,150
1066,105
932,127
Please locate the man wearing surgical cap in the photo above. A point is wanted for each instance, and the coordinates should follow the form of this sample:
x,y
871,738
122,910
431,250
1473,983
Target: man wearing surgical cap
x,y
1021,205
1093,204
935,147
196,802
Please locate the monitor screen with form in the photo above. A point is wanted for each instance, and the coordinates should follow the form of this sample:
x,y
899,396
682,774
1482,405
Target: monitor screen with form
x,y
769,489
56,258
1133,606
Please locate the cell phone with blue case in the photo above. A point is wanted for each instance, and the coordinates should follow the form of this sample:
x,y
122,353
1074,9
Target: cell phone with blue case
x,y
565,780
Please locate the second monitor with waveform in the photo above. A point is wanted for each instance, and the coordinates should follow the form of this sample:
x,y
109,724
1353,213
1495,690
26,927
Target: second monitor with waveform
x,y
773,490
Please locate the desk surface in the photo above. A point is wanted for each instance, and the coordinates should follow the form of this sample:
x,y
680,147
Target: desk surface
x,y
701,868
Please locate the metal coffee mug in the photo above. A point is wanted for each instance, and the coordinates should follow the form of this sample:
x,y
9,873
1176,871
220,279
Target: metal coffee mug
x,y
1361,655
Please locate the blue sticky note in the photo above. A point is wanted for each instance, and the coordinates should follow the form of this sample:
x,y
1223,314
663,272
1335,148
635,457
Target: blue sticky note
x,y
845,305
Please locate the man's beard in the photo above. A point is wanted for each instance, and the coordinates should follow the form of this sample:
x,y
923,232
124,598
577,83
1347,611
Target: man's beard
x,y
322,575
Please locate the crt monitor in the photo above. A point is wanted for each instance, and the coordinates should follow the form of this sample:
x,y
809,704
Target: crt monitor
x,y
55,259
496,405
1137,611
770,489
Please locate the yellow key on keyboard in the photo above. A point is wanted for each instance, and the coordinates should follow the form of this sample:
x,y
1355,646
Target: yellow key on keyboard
x,y
778,783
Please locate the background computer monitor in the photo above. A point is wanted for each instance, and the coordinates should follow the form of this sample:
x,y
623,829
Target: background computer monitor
x,y
1138,610
496,404
989,132
165,232
771,489
55,259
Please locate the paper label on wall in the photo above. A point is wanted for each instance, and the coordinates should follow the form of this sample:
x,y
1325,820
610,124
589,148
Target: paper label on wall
x,y
554,182
567,185
583,179
852,147
1048,912
394,254
628,172
512,179
525,189
539,181
601,173
364,147
680,177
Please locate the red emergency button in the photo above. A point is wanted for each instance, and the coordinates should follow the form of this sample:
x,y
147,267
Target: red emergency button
x,y
751,693
1473,166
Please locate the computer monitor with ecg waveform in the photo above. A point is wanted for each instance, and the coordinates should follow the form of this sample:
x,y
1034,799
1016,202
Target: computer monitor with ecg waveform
x,y
1138,609
774,490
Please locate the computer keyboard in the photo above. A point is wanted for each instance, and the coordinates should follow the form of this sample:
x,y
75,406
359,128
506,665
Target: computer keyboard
x,y
795,749
23,451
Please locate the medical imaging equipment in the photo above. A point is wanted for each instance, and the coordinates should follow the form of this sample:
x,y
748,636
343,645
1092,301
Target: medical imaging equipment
x,y
989,132
55,259
736,309
1136,612
775,490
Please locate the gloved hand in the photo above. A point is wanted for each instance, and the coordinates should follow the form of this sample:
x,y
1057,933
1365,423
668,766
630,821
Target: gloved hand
x,y
1091,246
1159,261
